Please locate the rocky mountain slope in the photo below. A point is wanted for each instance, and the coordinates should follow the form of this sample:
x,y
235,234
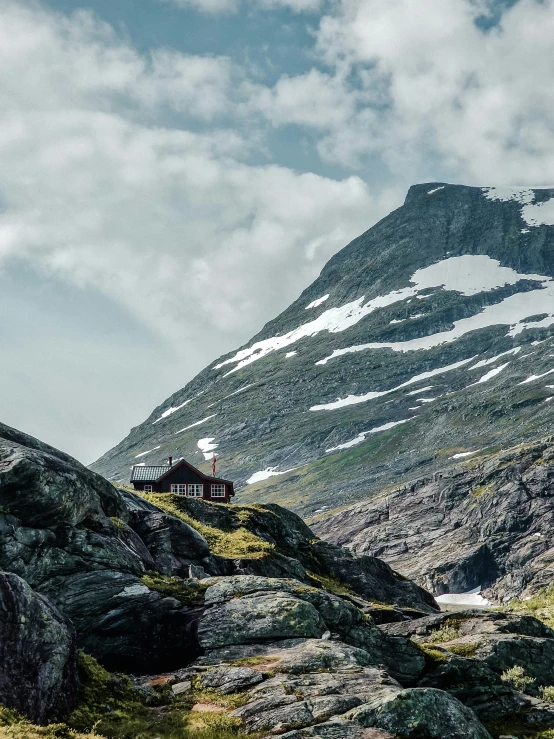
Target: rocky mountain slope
x,y
234,620
486,523
428,337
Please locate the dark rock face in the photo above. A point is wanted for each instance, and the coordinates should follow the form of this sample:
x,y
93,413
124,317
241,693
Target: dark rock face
x,y
345,648
44,487
87,547
423,374
422,713
38,670
486,523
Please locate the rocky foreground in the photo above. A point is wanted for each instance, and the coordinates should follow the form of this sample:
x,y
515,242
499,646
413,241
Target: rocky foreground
x,y
233,621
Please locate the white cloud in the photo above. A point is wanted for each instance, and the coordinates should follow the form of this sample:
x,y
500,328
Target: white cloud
x,y
230,6
99,189
419,82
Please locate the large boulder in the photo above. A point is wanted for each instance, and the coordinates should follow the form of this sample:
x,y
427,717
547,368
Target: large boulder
x,y
125,624
420,713
284,701
259,617
38,672
44,487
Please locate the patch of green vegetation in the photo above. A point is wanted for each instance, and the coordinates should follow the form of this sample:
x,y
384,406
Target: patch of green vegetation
x,y
118,523
464,650
540,605
175,587
14,726
200,694
234,543
332,584
433,656
547,693
481,491
448,632
110,706
107,702
517,678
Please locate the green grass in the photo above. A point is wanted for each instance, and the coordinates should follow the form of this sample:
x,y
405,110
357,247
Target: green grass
x,y
234,543
14,726
175,587
433,656
448,632
464,650
540,606
332,584
111,707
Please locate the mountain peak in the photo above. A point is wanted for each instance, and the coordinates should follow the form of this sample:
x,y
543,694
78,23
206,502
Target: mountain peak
x,y
425,337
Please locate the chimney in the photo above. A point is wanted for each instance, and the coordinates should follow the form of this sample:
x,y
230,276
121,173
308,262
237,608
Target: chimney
x,y
170,461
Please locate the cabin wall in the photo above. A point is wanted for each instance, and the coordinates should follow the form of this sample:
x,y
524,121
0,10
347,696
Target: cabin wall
x,y
181,475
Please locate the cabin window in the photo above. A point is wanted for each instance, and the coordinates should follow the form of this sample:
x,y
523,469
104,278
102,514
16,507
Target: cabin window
x,y
195,491
180,489
218,491
147,488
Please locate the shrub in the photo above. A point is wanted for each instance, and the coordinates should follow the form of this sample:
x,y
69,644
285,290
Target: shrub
x,y
447,633
517,678
547,693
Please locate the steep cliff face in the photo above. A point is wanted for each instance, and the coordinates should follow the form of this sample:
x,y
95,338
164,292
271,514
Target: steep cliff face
x,y
420,341
486,523
260,628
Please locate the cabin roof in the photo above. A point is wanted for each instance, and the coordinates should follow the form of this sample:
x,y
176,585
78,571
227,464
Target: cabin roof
x,y
156,472
150,473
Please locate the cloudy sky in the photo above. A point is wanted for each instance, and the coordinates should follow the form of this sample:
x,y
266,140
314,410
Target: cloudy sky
x,y
174,172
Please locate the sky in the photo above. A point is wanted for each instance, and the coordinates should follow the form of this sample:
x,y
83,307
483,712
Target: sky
x,y
173,173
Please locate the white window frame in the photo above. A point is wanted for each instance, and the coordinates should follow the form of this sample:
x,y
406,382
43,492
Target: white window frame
x,y
179,488
195,490
147,489
218,490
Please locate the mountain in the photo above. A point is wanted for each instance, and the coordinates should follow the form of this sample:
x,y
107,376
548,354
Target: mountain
x,y
425,339
251,625
485,524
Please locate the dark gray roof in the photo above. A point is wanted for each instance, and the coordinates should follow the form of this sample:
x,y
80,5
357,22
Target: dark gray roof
x,y
149,473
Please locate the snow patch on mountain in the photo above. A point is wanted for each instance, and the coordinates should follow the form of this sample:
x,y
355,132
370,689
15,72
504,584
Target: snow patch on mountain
x,y
362,436
240,390
420,390
492,360
536,377
317,302
492,373
192,425
467,274
172,410
511,311
143,454
266,474
461,455
354,399
471,598
207,446
534,214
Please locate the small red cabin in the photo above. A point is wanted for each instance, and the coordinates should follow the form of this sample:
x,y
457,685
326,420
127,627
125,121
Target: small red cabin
x,y
181,478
